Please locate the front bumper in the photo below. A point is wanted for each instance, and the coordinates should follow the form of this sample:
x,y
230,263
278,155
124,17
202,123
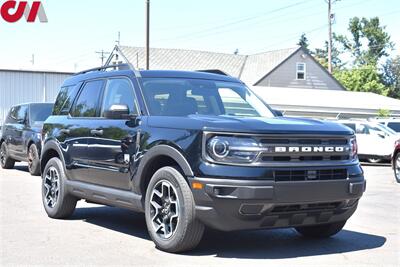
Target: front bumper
x,y
229,205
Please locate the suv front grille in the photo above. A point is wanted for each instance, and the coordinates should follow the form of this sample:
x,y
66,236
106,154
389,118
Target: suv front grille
x,y
310,175
303,150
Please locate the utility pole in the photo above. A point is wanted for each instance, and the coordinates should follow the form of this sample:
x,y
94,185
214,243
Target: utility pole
x,y
119,39
33,60
330,42
147,34
103,55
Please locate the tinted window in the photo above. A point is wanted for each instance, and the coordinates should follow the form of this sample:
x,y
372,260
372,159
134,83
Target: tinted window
x,y
20,113
11,118
395,126
64,100
119,92
40,112
362,129
88,100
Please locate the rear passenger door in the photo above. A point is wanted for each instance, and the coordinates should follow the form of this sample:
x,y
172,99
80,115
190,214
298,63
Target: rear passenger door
x,y
82,114
112,144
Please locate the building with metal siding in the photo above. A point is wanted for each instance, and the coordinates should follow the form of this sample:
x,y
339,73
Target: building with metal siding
x,y
22,86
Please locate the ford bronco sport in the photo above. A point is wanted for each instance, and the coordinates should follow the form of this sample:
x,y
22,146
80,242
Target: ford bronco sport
x,y
195,149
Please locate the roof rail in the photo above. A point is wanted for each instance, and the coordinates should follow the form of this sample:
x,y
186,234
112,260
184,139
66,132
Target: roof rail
x,y
215,71
104,68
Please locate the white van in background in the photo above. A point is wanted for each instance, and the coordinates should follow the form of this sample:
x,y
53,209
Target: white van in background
x,y
392,123
375,141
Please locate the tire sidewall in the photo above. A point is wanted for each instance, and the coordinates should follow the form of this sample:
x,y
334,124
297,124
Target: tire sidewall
x,y
176,179
4,147
56,163
35,168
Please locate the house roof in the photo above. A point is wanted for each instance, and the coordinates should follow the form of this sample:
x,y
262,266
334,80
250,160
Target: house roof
x,y
249,68
334,101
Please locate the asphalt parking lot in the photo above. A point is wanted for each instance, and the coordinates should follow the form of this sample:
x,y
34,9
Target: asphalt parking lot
x,y
98,235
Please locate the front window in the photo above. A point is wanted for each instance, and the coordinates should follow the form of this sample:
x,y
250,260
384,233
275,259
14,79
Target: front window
x,y
184,97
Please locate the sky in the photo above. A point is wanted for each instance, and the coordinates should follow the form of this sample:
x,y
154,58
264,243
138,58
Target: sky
x,y
76,29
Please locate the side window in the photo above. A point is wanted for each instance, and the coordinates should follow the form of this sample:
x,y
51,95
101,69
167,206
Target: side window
x,y
11,118
119,92
64,100
19,114
88,100
200,100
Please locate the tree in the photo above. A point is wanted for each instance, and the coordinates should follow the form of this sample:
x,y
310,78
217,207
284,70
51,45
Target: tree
x,y
303,42
362,79
369,41
321,55
391,76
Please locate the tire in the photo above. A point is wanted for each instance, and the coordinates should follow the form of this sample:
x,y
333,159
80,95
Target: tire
x,y
321,231
6,161
33,160
396,165
184,231
56,200
374,160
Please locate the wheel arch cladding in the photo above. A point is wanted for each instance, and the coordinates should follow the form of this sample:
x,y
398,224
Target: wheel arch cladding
x,y
158,157
50,150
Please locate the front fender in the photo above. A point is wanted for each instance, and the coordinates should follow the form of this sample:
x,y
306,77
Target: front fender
x,y
156,151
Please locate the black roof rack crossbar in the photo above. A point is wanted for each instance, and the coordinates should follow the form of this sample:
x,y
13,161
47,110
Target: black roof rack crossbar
x,y
104,68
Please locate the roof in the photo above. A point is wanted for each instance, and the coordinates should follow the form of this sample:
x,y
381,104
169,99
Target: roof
x,y
248,68
327,100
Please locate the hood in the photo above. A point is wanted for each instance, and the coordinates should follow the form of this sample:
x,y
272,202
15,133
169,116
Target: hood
x,y
276,125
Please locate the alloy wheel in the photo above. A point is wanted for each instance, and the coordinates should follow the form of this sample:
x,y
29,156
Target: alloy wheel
x,y
31,157
164,209
51,187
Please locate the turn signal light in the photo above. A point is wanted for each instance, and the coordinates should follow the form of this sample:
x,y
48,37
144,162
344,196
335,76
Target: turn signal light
x,y
197,186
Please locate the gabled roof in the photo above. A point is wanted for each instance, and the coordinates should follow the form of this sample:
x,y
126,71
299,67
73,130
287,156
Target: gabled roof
x,y
249,68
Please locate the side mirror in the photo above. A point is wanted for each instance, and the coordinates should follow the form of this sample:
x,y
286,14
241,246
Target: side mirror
x,y
117,112
278,113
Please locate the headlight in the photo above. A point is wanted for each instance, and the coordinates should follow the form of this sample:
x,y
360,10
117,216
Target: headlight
x,y
226,149
354,148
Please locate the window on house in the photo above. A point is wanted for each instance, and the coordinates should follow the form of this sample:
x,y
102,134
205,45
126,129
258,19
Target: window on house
x,y
301,71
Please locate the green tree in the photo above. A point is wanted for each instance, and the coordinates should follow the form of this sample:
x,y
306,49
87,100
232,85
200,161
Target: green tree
x,y
384,113
362,79
369,41
321,55
303,42
391,76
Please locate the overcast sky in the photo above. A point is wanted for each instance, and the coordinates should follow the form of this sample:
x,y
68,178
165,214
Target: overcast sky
x,y
78,28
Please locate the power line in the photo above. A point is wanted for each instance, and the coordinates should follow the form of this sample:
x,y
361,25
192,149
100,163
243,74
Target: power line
x,y
227,25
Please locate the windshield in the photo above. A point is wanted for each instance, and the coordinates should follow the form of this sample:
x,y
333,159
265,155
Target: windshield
x,y
183,97
40,112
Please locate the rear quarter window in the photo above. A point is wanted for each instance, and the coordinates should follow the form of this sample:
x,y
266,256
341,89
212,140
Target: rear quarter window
x,y
394,126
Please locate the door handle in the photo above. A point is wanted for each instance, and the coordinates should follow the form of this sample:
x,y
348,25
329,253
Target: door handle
x,y
97,132
65,131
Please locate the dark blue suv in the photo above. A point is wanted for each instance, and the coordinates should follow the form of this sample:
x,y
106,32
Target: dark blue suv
x,y
195,149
